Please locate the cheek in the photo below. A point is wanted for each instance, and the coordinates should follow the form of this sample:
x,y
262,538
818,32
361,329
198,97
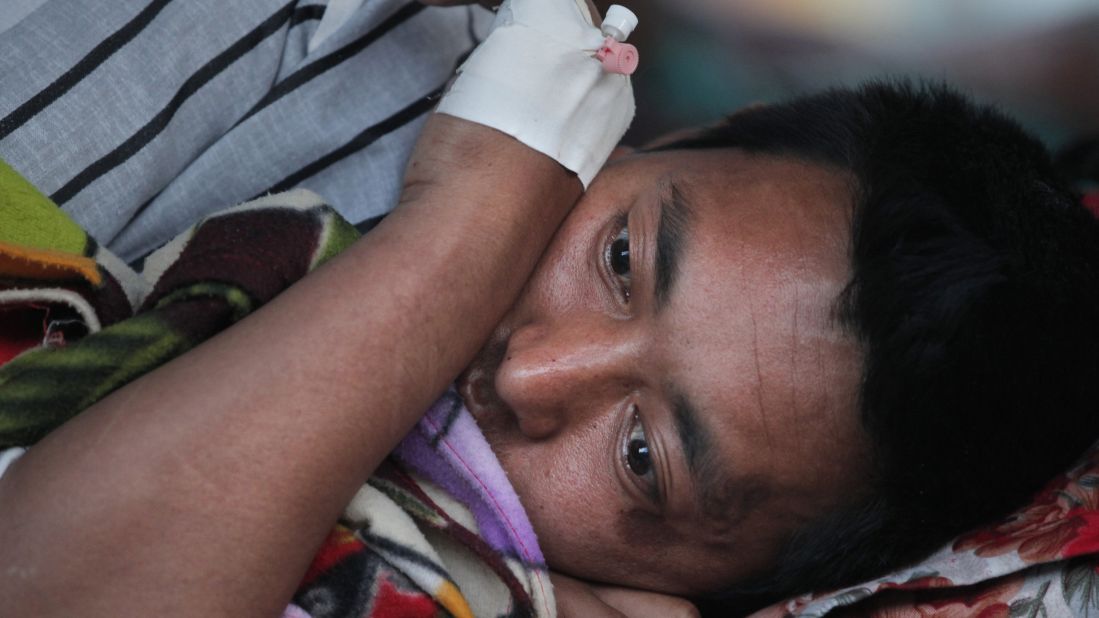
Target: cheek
x,y
570,493
567,275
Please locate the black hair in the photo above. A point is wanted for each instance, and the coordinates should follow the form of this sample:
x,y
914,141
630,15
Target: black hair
x,y
975,295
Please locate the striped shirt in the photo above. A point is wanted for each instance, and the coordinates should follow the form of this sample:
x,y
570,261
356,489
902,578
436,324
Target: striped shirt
x,y
140,116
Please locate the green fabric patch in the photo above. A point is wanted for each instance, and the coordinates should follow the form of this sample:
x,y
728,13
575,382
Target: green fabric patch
x,y
43,388
239,302
338,236
160,345
30,219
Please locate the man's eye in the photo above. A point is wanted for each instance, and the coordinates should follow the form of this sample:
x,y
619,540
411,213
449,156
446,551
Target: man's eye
x,y
618,258
636,455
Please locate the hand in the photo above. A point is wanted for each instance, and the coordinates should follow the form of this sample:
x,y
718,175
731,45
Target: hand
x,y
576,598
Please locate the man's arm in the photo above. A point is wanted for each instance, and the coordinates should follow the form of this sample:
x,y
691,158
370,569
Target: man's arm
x,y
207,485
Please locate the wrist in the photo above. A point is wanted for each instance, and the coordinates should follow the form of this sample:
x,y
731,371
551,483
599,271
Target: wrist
x,y
460,157
536,79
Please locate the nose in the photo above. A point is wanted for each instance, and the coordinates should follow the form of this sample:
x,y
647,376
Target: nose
x,y
565,372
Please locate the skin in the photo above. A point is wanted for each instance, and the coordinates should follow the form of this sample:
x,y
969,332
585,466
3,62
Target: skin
x,y
748,333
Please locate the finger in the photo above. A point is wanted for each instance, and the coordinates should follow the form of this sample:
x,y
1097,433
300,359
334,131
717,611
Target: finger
x,y
575,599
644,604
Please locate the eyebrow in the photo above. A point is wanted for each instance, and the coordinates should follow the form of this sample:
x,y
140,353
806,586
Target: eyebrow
x,y
675,214
714,488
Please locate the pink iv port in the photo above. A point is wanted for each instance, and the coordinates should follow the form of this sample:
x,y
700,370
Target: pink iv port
x,y
617,57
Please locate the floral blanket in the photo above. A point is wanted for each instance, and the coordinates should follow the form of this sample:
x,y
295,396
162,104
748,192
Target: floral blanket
x,y
439,529
1043,560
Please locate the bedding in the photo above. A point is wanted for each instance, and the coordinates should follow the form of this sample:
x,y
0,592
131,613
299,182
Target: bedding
x,y
1041,560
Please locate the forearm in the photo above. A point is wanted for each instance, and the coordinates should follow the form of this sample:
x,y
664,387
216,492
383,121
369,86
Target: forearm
x,y
207,485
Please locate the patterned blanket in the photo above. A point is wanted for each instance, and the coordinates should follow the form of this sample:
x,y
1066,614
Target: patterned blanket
x,y
437,530
1041,561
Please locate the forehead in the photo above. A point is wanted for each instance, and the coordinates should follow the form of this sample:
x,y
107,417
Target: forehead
x,y
750,335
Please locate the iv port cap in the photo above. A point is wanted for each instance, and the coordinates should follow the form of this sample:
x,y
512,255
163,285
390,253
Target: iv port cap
x,y
619,22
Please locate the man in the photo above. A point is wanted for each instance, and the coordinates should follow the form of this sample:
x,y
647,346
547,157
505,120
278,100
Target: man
x,y
868,247
690,355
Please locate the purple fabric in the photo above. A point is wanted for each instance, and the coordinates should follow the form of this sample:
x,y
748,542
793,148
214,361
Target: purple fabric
x,y
293,611
448,448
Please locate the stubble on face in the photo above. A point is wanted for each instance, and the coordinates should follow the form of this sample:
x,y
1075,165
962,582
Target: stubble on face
x,y
566,478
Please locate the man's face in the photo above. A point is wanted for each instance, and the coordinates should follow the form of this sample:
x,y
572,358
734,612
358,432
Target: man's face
x,y
672,395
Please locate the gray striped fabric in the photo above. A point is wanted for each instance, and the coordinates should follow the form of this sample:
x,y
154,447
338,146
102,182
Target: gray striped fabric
x,y
140,116
15,10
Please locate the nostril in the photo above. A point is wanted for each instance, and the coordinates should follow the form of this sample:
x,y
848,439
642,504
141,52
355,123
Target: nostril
x,y
481,389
